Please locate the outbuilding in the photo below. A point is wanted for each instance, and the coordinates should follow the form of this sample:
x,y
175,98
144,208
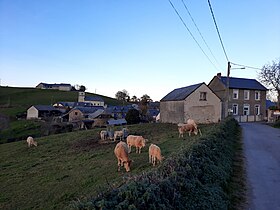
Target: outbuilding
x,y
197,101
42,111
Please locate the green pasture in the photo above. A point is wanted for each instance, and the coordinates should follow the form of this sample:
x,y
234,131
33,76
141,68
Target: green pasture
x,y
71,166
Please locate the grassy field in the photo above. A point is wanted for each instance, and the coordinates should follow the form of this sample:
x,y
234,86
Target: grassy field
x,y
72,166
15,100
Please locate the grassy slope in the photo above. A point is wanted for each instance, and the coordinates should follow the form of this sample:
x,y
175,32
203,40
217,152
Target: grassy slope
x,y
20,99
68,166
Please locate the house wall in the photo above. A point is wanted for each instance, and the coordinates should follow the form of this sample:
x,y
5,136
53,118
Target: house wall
x,y
64,88
96,103
252,102
172,111
202,111
32,113
75,115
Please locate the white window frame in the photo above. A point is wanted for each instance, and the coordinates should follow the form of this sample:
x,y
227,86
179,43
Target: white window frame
x,y
235,91
248,111
246,93
258,108
235,109
257,93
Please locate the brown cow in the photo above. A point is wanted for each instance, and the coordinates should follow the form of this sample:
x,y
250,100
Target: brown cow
x,y
121,152
188,127
155,154
137,141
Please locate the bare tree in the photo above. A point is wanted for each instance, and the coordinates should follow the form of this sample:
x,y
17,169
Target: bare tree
x,y
270,76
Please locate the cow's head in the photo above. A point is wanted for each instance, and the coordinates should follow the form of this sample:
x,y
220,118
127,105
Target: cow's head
x,y
127,165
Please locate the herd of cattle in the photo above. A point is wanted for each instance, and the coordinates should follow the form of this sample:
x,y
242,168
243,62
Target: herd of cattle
x,y
122,149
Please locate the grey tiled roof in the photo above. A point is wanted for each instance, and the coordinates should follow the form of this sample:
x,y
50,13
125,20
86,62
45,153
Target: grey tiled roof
x,y
45,108
93,98
242,83
180,93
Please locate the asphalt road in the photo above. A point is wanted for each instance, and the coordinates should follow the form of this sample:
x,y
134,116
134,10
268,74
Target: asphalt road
x,y
262,154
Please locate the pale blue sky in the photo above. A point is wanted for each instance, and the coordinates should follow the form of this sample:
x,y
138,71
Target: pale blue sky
x,y
140,46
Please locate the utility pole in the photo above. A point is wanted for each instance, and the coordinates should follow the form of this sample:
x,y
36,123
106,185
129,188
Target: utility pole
x,y
227,91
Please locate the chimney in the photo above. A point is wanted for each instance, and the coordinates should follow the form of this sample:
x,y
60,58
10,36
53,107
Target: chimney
x,y
219,75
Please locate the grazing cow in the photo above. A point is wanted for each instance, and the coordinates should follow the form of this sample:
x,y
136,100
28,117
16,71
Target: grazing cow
x,y
137,141
188,127
103,135
121,152
192,122
120,134
155,154
31,141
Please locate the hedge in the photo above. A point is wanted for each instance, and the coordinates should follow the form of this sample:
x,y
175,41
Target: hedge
x,y
195,178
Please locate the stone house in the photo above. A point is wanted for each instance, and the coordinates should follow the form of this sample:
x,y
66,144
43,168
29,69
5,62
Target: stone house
x,y
197,101
246,99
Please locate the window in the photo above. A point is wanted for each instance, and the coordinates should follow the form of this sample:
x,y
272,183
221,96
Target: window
x,y
257,109
246,109
235,94
202,96
246,94
235,109
257,95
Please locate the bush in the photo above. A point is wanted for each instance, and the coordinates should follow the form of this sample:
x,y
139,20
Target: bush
x,y
195,178
132,116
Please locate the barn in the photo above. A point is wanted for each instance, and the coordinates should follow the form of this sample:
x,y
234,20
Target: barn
x,y
42,111
197,101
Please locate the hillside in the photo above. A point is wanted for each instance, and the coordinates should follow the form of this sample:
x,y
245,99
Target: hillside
x,y
14,100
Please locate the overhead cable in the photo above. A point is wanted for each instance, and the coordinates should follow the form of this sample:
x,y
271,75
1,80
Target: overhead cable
x,y
249,67
191,33
200,32
217,29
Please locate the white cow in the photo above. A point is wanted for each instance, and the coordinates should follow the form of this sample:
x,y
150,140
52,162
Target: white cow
x,y
31,141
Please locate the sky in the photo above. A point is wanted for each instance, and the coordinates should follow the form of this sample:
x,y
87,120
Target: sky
x,y
138,46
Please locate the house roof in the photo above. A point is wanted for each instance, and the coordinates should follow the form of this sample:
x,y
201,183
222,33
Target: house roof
x,y
181,93
94,98
45,108
243,83
117,122
87,110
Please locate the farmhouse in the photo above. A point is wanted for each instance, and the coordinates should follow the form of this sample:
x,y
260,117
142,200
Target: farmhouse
x,y
197,101
42,111
62,86
246,98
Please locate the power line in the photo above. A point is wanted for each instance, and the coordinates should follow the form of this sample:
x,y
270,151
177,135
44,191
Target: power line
x,y
249,67
217,29
191,33
200,32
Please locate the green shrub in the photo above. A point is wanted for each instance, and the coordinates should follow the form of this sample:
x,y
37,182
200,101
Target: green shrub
x,y
195,178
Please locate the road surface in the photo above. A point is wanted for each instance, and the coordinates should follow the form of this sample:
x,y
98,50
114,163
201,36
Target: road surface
x,y
262,154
